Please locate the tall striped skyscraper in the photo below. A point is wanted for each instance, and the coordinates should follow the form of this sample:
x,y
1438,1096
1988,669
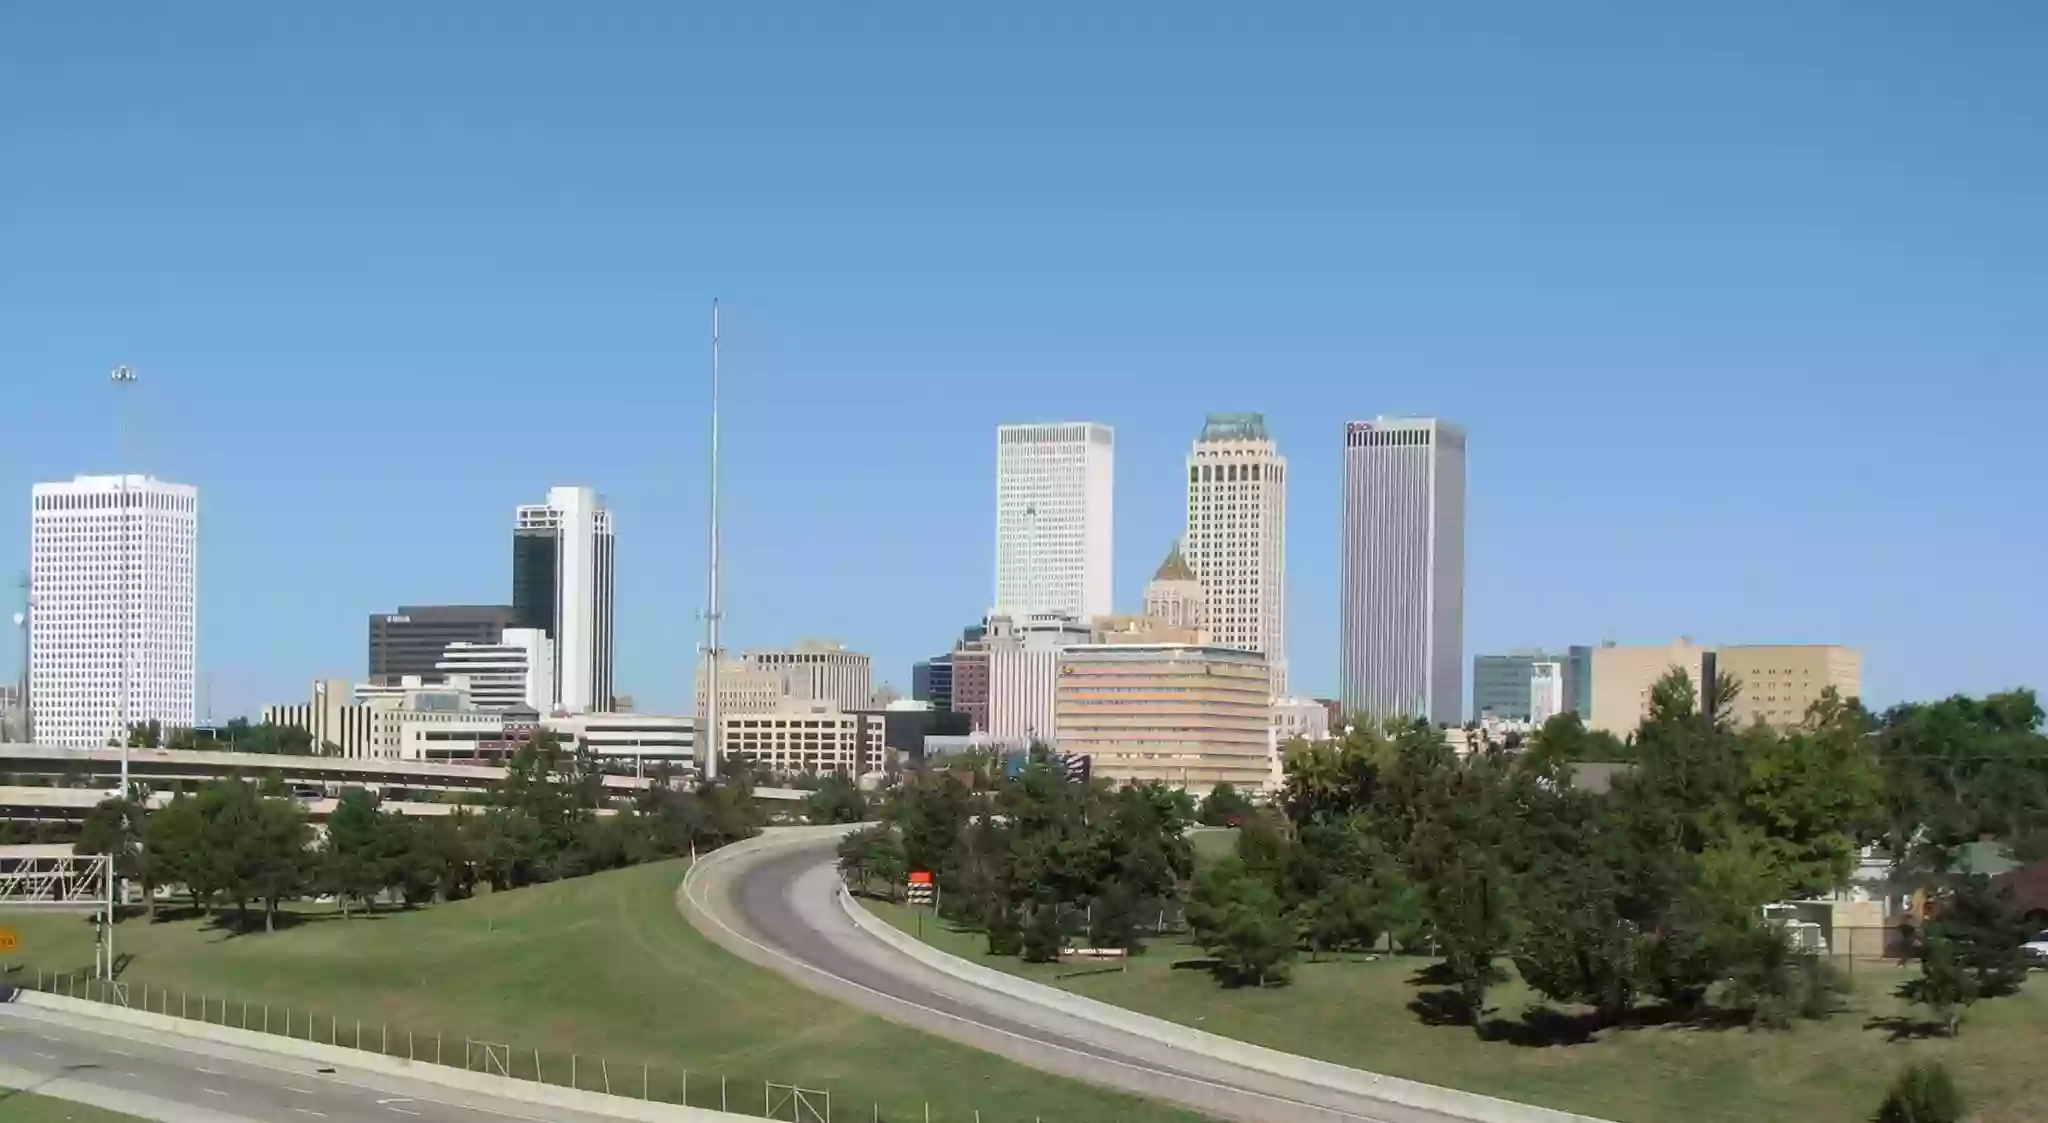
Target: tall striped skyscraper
x,y
1236,539
113,586
1402,622
1054,487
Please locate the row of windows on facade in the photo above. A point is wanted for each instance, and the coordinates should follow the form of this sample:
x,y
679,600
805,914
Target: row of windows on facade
x,y
1235,473
137,499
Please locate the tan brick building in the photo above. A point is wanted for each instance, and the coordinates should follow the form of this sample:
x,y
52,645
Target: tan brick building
x,y
1778,681
1186,715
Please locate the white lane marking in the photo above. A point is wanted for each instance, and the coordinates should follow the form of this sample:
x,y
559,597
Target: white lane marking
x,y
213,1091
303,1091
395,1100
210,1072
46,1056
47,1037
402,1110
121,1053
700,903
304,1111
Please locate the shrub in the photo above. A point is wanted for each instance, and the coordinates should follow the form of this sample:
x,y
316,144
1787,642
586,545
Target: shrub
x,y
1924,1093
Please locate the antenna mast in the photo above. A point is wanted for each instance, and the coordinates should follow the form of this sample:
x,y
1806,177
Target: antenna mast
x,y
709,735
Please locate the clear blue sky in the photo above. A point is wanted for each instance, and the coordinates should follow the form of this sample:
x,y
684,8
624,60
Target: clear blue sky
x,y
1744,305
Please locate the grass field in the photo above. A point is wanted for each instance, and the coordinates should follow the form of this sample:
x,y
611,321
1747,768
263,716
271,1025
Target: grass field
x,y
1356,1013
599,966
27,1107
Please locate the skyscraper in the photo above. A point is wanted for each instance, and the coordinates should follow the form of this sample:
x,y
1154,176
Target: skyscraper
x,y
1054,486
1402,621
1237,536
562,585
112,574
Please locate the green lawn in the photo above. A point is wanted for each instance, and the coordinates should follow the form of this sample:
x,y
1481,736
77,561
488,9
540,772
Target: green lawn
x,y
1356,1013
27,1107
599,966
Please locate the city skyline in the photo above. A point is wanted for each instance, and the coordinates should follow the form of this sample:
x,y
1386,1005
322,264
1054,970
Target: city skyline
x,y
1825,245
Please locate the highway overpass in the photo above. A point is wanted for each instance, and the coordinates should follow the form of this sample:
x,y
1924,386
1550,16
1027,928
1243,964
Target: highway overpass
x,y
102,767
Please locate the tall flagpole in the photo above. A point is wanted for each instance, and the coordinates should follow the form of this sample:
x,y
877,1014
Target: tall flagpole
x,y
710,733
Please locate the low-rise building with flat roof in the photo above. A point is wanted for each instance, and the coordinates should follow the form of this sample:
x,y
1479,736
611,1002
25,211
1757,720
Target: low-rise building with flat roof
x,y
1181,714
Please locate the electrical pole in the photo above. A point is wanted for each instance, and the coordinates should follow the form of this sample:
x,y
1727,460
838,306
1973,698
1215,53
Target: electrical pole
x,y
709,734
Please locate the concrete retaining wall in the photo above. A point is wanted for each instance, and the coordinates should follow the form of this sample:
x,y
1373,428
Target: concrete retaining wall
x,y
505,1088
1290,1066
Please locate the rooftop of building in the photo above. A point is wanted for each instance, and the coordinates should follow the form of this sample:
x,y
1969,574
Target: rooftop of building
x,y
95,484
1175,567
1234,427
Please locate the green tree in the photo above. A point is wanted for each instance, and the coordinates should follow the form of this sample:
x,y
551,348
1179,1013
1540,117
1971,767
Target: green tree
x,y
281,864
836,799
175,839
1565,739
1236,917
1225,806
872,854
1945,986
357,859
1813,792
1980,923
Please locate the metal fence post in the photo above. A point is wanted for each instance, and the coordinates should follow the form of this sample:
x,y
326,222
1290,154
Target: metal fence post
x,y
266,1017
437,1048
408,1045
643,1084
572,1070
605,1067
537,1079
334,1029
384,1039
722,1104
359,1035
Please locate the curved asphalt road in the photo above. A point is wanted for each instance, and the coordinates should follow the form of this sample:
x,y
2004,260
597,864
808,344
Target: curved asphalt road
x,y
773,900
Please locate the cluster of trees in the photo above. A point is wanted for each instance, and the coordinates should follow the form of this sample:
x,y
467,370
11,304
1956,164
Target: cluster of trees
x,y
249,845
1650,892
1655,889
238,735
1033,858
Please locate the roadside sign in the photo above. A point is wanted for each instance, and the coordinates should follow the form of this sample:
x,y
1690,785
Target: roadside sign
x,y
8,941
920,877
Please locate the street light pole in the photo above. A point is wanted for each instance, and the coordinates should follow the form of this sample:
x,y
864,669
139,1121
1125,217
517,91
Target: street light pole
x,y
122,376
709,734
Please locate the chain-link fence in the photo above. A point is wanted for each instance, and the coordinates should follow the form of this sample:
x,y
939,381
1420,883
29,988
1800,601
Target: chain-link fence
x,y
770,1100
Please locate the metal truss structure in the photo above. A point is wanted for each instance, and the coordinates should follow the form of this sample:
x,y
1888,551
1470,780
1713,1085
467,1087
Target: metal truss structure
x,y
76,881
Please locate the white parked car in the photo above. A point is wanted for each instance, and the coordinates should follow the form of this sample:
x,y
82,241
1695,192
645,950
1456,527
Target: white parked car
x,y
2037,949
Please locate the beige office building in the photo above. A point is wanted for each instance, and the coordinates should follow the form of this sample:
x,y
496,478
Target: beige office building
x,y
1778,681
1186,715
806,741
812,672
